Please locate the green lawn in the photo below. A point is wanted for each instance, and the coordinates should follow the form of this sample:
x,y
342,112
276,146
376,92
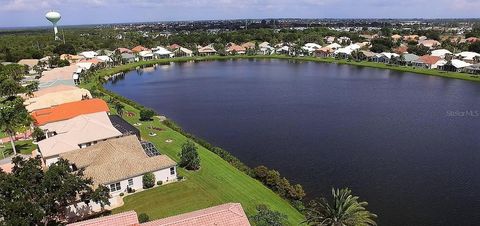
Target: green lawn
x,y
23,147
217,182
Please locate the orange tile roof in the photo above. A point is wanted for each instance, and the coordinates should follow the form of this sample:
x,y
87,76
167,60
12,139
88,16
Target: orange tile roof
x,y
236,48
230,214
427,59
69,110
122,219
138,49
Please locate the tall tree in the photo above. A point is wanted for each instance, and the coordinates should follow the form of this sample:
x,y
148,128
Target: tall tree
x,y
31,196
13,116
119,107
189,157
344,210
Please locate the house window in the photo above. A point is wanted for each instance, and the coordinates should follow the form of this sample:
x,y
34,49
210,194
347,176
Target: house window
x,y
115,187
172,170
130,182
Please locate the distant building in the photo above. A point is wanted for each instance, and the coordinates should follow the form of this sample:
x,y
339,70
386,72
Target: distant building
x,y
138,49
234,48
206,51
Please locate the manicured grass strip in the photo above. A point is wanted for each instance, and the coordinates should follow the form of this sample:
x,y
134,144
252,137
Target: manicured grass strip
x,y
217,182
23,147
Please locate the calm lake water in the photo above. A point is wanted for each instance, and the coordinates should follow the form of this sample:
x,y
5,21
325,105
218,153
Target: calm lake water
x,y
400,141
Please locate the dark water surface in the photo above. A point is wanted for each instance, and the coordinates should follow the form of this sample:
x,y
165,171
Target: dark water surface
x,y
390,136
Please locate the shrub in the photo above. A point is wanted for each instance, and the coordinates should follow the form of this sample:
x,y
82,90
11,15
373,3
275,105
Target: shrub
x,y
143,217
180,178
38,134
130,190
159,182
146,114
148,180
189,158
266,216
121,194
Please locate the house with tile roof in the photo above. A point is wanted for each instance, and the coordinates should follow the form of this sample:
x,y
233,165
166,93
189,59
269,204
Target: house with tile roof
x,y
324,52
129,218
470,57
452,65
233,48
441,53
229,214
68,111
120,164
430,43
408,58
58,76
138,49
426,61
473,69
71,58
123,50
78,132
206,50
30,63
56,98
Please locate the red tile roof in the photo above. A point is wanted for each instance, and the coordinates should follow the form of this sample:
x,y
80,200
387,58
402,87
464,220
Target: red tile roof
x,y
122,219
69,110
427,59
230,214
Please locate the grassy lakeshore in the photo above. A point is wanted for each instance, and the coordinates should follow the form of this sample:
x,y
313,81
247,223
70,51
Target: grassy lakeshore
x,y
217,182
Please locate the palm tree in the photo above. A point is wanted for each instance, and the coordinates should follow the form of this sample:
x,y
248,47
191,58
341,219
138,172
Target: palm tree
x,y
13,116
345,210
119,108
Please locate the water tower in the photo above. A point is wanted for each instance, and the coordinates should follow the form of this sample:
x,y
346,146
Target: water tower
x,y
54,17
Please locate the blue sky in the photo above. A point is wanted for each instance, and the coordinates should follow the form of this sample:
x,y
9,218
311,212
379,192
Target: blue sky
x,y
30,12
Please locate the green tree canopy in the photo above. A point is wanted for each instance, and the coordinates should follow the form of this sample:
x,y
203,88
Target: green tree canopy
x,y
13,116
267,217
189,158
31,196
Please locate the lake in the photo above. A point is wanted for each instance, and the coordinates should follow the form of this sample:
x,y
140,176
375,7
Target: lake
x,y
408,144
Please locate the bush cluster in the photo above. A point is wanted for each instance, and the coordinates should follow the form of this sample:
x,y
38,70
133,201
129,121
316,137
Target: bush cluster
x,y
279,184
148,180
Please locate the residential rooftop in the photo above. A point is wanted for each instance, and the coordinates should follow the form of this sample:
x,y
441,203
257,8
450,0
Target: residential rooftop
x,y
69,110
114,160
